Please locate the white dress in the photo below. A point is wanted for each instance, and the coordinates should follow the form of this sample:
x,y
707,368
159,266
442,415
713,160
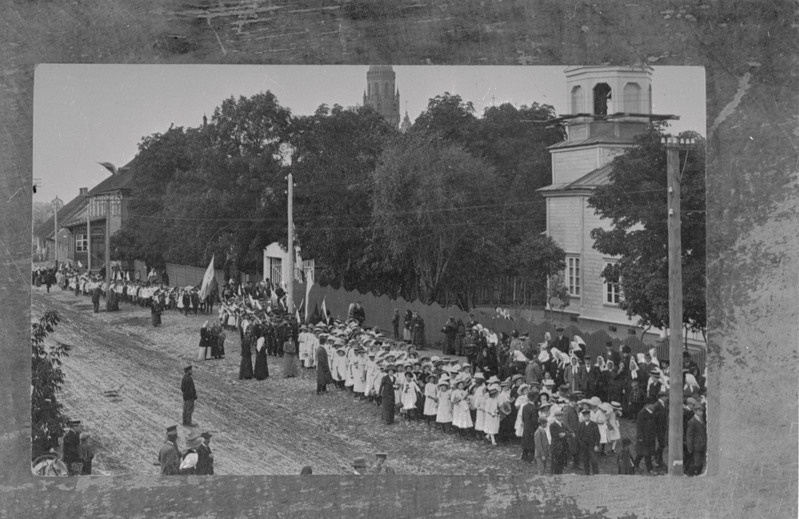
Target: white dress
x,y
612,423
598,416
478,401
444,412
360,375
521,401
430,404
409,395
491,408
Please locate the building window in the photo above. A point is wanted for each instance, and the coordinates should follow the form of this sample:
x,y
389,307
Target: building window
x,y
573,275
601,97
276,271
577,100
81,243
632,98
612,289
115,204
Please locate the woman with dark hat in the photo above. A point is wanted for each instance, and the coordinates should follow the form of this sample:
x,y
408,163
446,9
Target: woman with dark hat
x,y
387,394
261,367
245,368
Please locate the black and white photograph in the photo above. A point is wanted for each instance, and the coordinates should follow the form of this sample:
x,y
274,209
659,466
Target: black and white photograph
x,y
346,270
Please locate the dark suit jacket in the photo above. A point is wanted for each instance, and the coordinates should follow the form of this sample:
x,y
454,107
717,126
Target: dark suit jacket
x,y
645,433
561,343
661,421
187,387
591,381
696,437
588,435
559,445
530,422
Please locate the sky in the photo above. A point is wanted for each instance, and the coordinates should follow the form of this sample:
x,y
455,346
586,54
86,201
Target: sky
x,y
85,114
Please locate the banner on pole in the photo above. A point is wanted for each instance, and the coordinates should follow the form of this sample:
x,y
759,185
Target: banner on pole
x,y
208,280
324,312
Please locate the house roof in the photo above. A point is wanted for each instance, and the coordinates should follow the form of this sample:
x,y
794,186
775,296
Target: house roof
x,y
121,180
593,179
590,141
45,230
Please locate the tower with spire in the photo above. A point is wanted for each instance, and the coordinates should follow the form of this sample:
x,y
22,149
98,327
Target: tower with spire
x,y
381,93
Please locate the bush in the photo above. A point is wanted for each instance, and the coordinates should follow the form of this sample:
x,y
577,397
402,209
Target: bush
x,y
47,419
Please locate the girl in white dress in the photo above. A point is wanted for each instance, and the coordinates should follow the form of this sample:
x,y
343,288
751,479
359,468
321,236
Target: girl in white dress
x,y
461,417
598,417
409,396
430,399
491,408
444,411
478,400
521,401
612,423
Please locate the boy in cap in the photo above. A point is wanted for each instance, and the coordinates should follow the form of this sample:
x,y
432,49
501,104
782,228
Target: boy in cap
x,y
169,455
542,448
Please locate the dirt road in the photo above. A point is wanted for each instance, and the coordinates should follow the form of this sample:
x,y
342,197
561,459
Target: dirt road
x,y
270,427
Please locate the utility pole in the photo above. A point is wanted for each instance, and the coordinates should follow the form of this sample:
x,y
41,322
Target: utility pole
x,y
88,235
290,280
107,248
56,206
673,147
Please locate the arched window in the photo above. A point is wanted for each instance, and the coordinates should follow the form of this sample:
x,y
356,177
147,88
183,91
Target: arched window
x,y
577,100
632,99
601,96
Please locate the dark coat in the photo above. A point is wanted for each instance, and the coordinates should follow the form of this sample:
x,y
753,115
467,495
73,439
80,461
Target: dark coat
x,y
645,433
261,366
591,381
576,382
661,421
624,460
572,420
561,343
71,444
187,387
323,375
169,458
387,398
559,447
530,422
696,437
587,435
245,369
205,461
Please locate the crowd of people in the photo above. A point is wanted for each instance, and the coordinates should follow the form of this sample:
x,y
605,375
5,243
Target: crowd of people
x,y
562,412
561,406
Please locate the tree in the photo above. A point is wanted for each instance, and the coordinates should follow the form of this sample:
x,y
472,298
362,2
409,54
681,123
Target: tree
x,y
635,202
557,292
534,260
334,154
434,206
47,419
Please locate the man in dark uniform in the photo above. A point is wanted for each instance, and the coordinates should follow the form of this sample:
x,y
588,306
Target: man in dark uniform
x,y
559,447
169,455
561,342
96,299
661,411
189,396
696,440
645,436
592,377
588,443
71,445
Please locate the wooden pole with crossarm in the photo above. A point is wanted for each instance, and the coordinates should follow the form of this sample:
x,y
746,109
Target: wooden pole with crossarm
x,y
673,147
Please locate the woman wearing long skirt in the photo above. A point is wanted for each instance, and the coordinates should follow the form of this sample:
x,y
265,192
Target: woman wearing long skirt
x,y
261,367
245,369
387,394
204,342
289,358
491,408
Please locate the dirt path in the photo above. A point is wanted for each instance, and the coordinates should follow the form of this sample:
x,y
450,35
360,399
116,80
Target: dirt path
x,y
270,427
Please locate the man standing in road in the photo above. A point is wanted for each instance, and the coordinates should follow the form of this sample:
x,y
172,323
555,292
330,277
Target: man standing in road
x,y
96,299
169,455
71,445
189,396
661,411
559,447
696,440
645,436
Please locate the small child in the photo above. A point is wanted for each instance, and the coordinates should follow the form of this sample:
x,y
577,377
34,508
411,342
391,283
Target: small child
x,y
444,412
430,400
461,417
409,394
541,439
625,459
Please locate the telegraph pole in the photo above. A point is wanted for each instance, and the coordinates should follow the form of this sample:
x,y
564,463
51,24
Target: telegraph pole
x,y
673,147
107,248
290,280
88,236
56,206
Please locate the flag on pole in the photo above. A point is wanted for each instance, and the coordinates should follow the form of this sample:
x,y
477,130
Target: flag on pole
x,y
208,279
324,311
110,167
297,313
308,285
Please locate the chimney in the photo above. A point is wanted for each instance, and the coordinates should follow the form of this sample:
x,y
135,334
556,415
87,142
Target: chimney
x,y
84,191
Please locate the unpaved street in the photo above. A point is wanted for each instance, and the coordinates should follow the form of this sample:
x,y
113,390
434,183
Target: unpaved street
x,y
270,427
